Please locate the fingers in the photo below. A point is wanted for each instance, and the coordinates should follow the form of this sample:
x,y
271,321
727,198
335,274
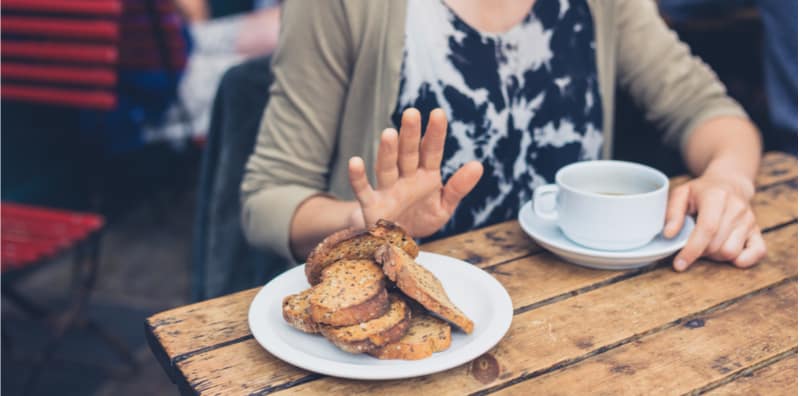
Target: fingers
x,y
710,209
732,246
432,147
677,207
754,251
386,171
358,180
460,184
409,142
736,224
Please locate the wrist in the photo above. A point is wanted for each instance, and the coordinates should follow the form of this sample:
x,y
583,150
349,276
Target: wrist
x,y
740,181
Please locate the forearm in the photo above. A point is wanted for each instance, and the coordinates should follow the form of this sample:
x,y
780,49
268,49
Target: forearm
x,y
728,147
316,218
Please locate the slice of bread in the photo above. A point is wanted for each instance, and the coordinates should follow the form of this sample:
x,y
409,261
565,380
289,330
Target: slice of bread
x,y
426,335
296,312
351,292
421,285
367,336
353,244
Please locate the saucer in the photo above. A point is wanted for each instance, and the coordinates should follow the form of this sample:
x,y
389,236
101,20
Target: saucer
x,y
547,234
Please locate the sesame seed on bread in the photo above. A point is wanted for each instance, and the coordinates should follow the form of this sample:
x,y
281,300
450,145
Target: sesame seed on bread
x,y
416,282
296,312
372,334
356,244
351,292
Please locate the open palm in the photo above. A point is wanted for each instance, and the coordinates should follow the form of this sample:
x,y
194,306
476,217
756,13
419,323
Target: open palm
x,y
409,189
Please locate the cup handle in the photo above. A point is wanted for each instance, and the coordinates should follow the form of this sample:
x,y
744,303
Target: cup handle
x,y
539,194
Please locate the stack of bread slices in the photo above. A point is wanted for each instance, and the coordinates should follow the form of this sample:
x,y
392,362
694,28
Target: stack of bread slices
x,y
368,295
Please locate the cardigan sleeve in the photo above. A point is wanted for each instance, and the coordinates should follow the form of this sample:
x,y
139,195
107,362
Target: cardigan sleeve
x,y
676,90
297,135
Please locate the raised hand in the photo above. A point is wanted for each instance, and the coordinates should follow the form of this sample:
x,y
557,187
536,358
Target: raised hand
x,y
409,179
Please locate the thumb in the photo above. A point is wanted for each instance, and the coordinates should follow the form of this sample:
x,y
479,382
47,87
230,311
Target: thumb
x,y
677,206
460,184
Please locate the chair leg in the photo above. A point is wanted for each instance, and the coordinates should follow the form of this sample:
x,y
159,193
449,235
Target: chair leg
x,y
87,286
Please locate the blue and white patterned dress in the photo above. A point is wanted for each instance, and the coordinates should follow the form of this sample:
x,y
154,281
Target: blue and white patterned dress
x,y
524,103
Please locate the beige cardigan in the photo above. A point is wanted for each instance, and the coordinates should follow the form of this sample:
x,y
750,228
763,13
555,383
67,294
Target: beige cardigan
x,y
337,71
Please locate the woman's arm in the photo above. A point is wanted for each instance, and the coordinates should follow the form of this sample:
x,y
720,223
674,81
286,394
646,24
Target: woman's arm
x,y
297,136
683,96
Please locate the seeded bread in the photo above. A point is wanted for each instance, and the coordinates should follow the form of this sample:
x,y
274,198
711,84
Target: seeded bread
x,y
354,244
426,335
296,312
420,285
367,336
351,292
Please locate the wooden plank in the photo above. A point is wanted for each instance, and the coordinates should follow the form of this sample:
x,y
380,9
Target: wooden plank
x,y
487,246
687,356
553,334
222,374
773,205
201,326
776,167
779,378
190,330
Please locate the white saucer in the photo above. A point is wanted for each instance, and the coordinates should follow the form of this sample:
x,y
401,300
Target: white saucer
x,y
547,234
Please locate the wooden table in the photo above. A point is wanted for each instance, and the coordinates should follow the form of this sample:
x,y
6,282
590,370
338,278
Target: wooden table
x,y
714,329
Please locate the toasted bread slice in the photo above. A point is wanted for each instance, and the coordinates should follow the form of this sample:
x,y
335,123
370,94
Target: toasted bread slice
x,y
426,335
351,292
421,285
296,311
353,244
367,336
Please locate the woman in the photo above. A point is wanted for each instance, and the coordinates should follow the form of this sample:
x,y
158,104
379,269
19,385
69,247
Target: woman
x,y
527,86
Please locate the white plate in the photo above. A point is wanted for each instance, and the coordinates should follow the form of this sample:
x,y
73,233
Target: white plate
x,y
474,291
547,234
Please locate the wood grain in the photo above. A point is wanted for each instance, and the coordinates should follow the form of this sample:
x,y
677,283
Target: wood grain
x,y
198,326
487,246
211,344
568,330
776,167
225,373
776,379
687,356
554,279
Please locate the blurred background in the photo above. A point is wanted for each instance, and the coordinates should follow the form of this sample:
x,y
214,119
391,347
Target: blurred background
x,y
125,126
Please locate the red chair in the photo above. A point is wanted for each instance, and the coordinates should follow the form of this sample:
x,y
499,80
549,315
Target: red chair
x,y
31,235
69,54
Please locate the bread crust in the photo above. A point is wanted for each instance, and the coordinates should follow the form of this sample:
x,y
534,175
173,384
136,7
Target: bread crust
x,y
296,312
355,339
356,244
420,285
362,277
426,334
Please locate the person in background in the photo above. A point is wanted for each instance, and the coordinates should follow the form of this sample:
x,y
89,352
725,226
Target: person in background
x,y
507,91
779,21
221,38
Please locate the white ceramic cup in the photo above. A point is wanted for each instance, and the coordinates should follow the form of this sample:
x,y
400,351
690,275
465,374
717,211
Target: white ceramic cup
x,y
606,205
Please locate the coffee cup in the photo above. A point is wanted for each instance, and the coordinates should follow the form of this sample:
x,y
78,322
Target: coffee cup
x,y
605,205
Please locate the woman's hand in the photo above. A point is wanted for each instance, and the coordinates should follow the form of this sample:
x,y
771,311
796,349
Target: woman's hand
x,y
726,227
408,173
